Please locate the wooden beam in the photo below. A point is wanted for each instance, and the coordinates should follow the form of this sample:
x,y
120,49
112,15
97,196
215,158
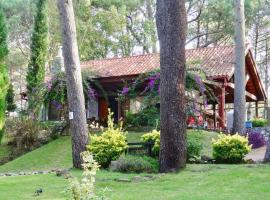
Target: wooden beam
x,y
215,116
247,78
248,94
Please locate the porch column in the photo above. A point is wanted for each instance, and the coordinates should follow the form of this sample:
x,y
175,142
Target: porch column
x,y
215,116
221,107
256,109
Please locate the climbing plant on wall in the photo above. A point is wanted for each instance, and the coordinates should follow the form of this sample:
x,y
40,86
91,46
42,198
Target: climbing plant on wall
x,y
147,85
55,90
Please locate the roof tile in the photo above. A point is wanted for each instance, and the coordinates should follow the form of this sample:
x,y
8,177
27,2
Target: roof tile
x,y
217,62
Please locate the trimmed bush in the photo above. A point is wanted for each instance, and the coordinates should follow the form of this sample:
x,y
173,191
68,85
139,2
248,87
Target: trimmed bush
x,y
146,117
256,139
135,164
194,145
259,122
110,145
230,148
152,137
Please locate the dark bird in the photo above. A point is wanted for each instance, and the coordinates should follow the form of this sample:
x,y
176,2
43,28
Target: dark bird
x,y
38,191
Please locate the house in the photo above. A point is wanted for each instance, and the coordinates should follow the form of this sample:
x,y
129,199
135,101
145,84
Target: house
x,y
217,63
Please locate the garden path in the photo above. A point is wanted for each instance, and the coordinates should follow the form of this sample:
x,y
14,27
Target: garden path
x,y
257,155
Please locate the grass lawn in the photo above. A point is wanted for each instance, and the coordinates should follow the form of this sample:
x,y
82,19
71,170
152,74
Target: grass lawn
x,y
196,182
57,154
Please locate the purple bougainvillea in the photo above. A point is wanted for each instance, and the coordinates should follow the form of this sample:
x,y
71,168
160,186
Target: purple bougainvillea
x,y
256,139
151,83
92,93
57,105
153,80
200,84
125,90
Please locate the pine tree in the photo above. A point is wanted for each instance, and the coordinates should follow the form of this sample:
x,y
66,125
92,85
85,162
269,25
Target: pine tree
x,y
11,106
172,26
78,124
3,71
239,115
36,68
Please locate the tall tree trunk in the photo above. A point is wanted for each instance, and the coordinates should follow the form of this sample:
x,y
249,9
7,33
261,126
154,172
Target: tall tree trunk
x,y
150,16
79,132
267,153
266,78
172,26
198,32
239,74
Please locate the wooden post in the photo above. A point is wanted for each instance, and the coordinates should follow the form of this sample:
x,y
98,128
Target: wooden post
x,y
221,108
256,109
268,116
215,116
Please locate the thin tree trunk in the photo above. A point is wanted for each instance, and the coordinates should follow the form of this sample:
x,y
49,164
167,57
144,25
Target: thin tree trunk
x,y
266,78
198,32
150,16
267,153
79,132
172,25
239,74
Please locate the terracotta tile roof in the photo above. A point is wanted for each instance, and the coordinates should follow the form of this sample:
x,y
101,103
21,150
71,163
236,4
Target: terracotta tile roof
x,y
215,61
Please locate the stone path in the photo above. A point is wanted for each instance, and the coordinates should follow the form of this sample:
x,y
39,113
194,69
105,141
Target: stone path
x,y
257,155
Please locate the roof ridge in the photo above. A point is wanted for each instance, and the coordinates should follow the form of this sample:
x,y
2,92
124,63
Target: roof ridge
x,y
151,54
124,57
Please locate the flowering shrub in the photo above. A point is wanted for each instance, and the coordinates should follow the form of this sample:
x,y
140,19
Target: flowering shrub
x,y
84,189
109,145
256,139
148,86
230,148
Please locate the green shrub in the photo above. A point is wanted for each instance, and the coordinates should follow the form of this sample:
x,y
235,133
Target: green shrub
x,y
259,122
146,117
152,137
135,164
56,128
25,135
194,145
109,145
230,148
1,135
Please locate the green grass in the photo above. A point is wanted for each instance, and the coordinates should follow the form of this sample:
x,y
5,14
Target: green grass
x,y
57,154
196,182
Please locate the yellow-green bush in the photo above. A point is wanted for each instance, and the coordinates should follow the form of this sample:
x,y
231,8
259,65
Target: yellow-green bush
x,y
230,148
194,145
109,145
153,137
